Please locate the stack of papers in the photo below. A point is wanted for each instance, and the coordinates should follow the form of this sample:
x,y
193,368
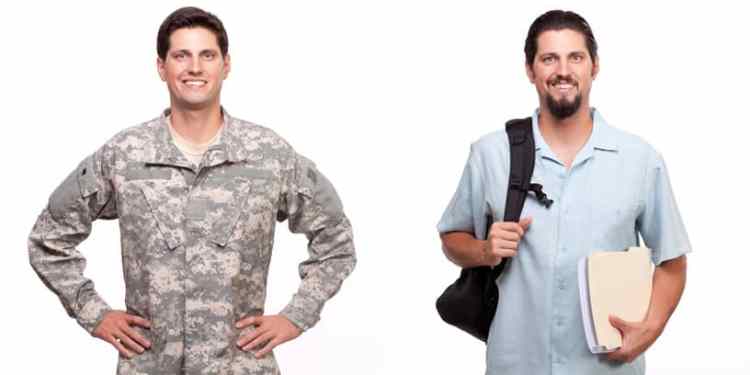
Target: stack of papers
x,y
613,283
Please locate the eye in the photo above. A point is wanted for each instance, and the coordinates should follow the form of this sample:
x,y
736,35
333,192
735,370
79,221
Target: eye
x,y
577,58
549,59
178,56
209,55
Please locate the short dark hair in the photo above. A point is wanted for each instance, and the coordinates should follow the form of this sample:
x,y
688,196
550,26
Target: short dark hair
x,y
558,20
190,17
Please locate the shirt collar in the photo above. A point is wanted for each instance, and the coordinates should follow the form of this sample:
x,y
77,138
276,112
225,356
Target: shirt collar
x,y
602,137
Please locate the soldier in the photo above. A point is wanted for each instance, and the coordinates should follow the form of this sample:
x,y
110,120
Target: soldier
x,y
197,193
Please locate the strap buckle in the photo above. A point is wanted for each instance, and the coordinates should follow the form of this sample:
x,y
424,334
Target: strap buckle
x,y
540,195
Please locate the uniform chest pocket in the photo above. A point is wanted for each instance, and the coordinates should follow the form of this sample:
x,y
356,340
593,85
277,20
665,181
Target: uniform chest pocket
x,y
226,200
156,192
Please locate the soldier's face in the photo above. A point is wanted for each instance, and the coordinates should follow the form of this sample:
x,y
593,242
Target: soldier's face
x,y
193,68
562,71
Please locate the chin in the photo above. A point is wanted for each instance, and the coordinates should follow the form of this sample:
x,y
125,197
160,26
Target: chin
x,y
194,104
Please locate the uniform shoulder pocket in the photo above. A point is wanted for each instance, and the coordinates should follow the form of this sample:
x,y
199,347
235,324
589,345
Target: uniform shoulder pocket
x,y
79,184
87,179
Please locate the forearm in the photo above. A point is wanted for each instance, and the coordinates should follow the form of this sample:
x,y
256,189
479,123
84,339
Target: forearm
x,y
668,284
332,259
463,249
54,258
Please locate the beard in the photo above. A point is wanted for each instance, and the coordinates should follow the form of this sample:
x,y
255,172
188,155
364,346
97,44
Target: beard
x,y
563,108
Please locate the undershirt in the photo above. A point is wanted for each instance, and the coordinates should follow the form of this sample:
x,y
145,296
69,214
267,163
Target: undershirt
x,y
192,151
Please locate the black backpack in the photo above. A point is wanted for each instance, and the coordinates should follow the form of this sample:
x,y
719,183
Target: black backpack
x,y
470,302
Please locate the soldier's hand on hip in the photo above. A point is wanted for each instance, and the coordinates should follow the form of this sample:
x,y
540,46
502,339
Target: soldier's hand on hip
x,y
502,241
116,328
269,329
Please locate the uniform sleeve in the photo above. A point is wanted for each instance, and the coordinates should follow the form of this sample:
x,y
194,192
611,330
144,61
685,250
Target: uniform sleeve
x,y
312,207
84,196
466,211
659,221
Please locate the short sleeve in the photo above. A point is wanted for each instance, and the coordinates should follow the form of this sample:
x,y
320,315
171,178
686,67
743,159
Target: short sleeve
x,y
466,210
659,222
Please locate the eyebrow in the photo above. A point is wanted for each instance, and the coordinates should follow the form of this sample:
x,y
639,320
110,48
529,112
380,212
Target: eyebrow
x,y
555,54
188,52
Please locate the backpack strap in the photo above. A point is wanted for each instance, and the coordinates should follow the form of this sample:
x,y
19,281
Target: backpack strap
x,y
522,150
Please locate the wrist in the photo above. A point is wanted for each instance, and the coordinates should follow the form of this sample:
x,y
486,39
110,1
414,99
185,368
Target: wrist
x,y
302,312
92,313
481,251
655,324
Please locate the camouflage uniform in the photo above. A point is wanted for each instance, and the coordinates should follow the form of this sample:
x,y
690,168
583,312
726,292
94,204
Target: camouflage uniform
x,y
196,242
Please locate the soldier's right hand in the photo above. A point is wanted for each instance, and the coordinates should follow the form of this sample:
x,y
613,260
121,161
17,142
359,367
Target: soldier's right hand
x,y
502,241
116,328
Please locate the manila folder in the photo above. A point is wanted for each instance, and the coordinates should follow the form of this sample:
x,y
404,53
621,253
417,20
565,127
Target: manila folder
x,y
620,285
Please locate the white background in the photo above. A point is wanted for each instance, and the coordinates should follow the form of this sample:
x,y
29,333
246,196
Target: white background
x,y
385,96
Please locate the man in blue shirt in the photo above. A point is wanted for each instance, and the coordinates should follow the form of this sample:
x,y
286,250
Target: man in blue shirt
x,y
608,186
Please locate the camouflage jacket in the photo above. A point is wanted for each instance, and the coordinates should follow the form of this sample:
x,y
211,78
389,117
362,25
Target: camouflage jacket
x,y
196,241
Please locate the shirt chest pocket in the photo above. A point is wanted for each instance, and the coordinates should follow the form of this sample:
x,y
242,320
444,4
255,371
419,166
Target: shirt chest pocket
x,y
614,195
613,220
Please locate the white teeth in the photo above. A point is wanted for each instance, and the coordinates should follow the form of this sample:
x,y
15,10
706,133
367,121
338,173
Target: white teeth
x,y
195,83
563,86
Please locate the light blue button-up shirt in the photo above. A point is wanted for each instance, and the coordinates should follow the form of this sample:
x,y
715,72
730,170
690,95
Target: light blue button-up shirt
x,y
616,188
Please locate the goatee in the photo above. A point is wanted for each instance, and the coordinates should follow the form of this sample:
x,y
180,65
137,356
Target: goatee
x,y
563,108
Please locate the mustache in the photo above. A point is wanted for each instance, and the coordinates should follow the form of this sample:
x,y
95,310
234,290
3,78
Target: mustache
x,y
562,79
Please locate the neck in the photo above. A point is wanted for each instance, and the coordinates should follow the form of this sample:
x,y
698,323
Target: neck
x,y
566,136
570,132
196,125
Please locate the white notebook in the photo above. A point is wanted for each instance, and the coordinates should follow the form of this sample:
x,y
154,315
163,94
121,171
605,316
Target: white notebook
x,y
613,283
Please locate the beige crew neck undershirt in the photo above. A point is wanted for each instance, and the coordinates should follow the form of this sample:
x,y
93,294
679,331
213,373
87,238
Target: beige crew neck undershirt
x,y
192,151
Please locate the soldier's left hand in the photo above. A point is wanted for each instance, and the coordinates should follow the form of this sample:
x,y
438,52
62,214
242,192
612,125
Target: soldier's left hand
x,y
636,338
269,329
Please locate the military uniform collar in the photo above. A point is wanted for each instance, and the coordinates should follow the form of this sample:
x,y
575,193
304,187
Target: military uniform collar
x,y
228,149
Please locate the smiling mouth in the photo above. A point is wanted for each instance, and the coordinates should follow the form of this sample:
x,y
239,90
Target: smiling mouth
x,y
563,86
194,82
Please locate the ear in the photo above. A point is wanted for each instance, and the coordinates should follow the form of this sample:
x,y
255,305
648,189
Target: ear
x,y
595,68
227,65
160,68
530,73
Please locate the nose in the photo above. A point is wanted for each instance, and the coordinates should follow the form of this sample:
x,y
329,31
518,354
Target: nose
x,y
563,69
195,66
